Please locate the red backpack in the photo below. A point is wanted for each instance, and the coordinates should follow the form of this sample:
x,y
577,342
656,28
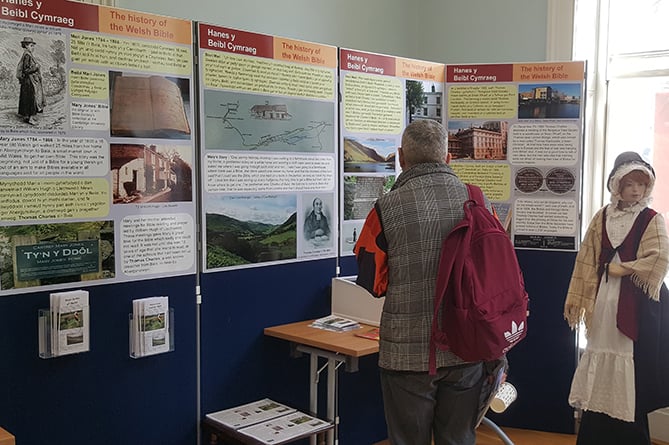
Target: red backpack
x,y
480,304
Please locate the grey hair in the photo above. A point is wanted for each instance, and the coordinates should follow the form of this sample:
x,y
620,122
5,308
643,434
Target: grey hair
x,y
424,141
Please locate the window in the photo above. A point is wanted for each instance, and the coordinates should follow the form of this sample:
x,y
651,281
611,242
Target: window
x,y
626,47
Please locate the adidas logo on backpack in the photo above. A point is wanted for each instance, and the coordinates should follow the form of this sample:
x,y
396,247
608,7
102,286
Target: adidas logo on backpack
x,y
480,292
517,331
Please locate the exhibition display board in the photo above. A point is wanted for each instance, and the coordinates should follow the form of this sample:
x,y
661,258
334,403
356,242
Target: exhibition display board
x,y
99,180
268,149
380,95
97,146
517,131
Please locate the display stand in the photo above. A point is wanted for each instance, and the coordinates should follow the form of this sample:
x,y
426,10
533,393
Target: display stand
x,y
132,340
502,435
44,333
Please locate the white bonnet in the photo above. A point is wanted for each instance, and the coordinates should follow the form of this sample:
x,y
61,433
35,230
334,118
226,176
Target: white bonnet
x,y
625,163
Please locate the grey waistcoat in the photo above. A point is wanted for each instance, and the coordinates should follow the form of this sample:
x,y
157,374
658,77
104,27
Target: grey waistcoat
x,y
423,206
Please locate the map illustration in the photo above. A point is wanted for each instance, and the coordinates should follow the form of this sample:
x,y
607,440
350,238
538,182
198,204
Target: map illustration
x,y
235,121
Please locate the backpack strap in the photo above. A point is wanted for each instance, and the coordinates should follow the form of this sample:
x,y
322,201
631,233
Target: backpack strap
x,y
475,194
446,262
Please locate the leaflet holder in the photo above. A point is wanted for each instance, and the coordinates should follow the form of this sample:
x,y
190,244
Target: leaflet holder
x,y
133,340
44,335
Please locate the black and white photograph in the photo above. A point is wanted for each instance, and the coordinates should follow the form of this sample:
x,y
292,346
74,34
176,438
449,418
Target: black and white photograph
x,y
33,80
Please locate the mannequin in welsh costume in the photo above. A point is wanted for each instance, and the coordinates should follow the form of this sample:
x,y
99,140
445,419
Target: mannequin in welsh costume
x,y
617,291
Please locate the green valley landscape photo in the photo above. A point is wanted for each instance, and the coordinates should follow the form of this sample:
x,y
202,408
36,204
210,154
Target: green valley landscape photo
x,y
247,230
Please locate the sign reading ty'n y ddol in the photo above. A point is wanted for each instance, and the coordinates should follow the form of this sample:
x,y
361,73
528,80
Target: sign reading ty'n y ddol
x,y
61,259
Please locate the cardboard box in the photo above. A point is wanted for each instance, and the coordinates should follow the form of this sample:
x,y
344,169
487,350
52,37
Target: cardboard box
x,y
352,301
6,438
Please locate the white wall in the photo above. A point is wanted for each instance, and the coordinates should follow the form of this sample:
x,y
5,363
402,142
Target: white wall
x,y
369,25
480,31
448,31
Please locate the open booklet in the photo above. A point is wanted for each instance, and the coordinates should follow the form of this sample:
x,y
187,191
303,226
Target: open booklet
x,y
268,422
285,428
249,414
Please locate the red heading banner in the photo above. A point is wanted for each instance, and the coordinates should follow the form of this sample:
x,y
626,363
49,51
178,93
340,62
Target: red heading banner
x,y
234,41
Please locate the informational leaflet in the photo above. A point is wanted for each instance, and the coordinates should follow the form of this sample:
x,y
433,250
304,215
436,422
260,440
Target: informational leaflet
x,y
250,414
269,157
284,428
70,322
96,146
381,94
372,334
151,326
268,422
335,323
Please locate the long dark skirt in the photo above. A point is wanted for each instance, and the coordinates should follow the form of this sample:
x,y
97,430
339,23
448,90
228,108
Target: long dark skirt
x,y
600,429
31,97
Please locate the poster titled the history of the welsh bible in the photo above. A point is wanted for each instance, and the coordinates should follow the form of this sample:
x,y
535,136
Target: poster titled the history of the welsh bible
x,y
380,95
268,147
517,131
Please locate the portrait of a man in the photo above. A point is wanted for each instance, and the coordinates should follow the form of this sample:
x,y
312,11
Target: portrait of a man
x,y
316,226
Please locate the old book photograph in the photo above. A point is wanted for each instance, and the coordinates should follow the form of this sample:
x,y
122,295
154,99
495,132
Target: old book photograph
x,y
149,106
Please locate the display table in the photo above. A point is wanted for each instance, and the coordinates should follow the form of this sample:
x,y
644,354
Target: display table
x,y
336,348
6,438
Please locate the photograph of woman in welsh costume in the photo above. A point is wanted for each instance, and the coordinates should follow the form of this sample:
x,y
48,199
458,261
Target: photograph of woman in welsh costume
x,y
34,84
29,74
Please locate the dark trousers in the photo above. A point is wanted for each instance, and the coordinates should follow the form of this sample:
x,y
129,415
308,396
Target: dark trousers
x,y
420,407
599,429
